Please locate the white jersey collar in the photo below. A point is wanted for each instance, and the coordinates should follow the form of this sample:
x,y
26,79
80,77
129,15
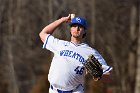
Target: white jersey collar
x,y
82,44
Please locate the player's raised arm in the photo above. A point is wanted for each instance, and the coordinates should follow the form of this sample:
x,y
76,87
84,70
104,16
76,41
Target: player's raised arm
x,y
49,29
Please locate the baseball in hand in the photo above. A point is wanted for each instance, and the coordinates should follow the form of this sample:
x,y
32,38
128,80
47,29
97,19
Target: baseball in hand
x,y
72,16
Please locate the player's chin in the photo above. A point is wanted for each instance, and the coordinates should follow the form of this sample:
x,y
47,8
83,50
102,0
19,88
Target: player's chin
x,y
76,35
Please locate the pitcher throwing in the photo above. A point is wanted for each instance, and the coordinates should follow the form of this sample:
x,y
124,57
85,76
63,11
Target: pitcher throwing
x,y
67,70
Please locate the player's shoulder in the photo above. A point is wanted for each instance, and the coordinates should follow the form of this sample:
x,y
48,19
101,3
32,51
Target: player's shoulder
x,y
92,49
55,39
65,43
85,45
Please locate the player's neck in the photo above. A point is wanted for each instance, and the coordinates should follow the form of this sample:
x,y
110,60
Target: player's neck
x,y
77,40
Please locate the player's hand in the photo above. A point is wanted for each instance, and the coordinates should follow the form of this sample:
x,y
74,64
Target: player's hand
x,y
67,18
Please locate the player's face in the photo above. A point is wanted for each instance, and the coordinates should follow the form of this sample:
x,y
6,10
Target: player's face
x,y
77,31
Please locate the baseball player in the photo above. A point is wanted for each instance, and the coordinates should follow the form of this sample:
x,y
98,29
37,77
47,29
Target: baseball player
x,y
66,74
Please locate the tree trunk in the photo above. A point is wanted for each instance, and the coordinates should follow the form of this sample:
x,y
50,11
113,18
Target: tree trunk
x,y
137,83
13,88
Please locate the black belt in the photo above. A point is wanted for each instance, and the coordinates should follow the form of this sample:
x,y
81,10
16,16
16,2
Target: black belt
x,y
61,91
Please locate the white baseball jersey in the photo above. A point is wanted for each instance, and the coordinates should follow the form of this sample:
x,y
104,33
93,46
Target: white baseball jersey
x,y
66,70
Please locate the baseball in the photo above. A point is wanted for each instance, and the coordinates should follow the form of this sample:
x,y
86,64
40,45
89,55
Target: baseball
x,y
72,16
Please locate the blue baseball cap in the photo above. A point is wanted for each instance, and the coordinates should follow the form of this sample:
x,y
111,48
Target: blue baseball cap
x,y
79,20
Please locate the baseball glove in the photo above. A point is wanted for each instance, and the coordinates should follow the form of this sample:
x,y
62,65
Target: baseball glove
x,y
94,67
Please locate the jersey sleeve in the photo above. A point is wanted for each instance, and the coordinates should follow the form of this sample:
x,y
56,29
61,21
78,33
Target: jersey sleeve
x,y
105,67
51,43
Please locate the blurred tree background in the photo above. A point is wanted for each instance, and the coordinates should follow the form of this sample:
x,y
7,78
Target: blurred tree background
x,y
113,31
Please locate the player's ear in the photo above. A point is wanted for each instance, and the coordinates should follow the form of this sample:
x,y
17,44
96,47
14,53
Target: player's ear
x,y
84,35
70,33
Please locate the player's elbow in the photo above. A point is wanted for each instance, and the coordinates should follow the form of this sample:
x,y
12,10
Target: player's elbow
x,y
42,36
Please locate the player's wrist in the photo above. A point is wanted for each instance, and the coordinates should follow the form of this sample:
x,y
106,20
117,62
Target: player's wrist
x,y
65,19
